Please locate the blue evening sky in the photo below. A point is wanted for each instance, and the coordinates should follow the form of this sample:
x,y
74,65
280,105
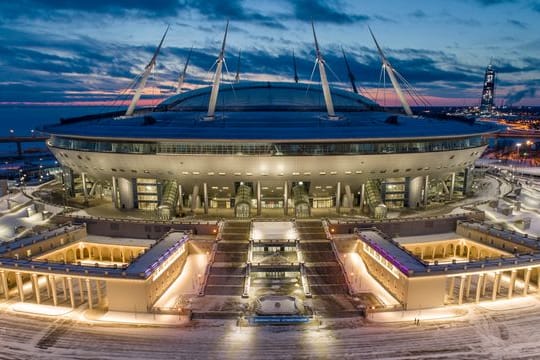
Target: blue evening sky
x,y
87,52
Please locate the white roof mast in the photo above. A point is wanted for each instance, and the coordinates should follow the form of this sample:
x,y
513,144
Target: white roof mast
x,y
390,70
147,70
182,76
324,80
217,79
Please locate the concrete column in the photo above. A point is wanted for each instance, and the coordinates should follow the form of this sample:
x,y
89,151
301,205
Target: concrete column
x,y
71,292
426,190
180,197
48,285
285,198
452,185
461,289
451,288
4,284
349,196
127,195
479,286
468,284
64,288
52,284
123,256
114,192
89,290
85,190
98,290
338,196
499,283
362,197
526,280
433,253
484,283
35,287
422,253
512,283
415,192
81,289
18,277
259,205
194,197
205,197
100,254
495,286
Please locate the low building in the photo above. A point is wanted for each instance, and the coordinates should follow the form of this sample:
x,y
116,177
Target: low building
x,y
478,262
66,265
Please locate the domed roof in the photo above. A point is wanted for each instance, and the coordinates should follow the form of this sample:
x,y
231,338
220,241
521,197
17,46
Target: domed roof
x,y
267,96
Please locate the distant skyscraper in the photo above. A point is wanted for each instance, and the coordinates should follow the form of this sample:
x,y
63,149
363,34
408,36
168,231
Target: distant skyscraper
x,y
486,105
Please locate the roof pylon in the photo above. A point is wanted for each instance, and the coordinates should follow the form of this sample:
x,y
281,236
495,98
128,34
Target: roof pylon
x,y
391,74
147,71
324,80
217,78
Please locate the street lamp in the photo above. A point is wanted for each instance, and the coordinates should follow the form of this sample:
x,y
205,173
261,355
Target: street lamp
x,y
518,146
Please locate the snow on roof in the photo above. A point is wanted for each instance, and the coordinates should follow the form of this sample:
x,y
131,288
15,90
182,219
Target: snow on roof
x,y
266,112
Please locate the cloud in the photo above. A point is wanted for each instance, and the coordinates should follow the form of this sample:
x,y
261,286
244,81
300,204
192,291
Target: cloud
x,y
516,96
324,11
419,14
496,2
43,8
43,63
164,9
230,9
518,24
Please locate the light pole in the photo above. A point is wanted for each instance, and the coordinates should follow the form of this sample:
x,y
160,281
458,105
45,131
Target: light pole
x,y
518,146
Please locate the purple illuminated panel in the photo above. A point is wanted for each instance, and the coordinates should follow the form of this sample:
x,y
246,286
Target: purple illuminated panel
x,y
386,255
165,255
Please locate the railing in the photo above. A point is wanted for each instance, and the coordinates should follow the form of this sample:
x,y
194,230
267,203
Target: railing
x,y
305,284
326,229
180,311
247,281
144,221
342,266
202,289
403,220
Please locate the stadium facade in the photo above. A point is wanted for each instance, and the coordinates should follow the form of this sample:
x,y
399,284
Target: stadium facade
x,y
252,146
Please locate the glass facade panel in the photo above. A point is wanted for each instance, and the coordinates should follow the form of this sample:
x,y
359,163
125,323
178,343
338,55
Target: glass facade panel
x,y
269,149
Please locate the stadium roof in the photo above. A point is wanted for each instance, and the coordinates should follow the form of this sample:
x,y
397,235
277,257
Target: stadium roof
x,y
265,112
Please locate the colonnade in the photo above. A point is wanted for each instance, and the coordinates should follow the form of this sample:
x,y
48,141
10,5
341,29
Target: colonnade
x,y
491,285
51,288
453,248
97,252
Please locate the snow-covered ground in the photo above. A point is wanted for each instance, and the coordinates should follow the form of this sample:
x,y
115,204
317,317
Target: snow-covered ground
x,y
427,238
187,284
464,332
11,201
273,230
9,222
362,282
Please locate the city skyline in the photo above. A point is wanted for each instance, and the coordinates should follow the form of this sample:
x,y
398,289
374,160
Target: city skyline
x,y
86,54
